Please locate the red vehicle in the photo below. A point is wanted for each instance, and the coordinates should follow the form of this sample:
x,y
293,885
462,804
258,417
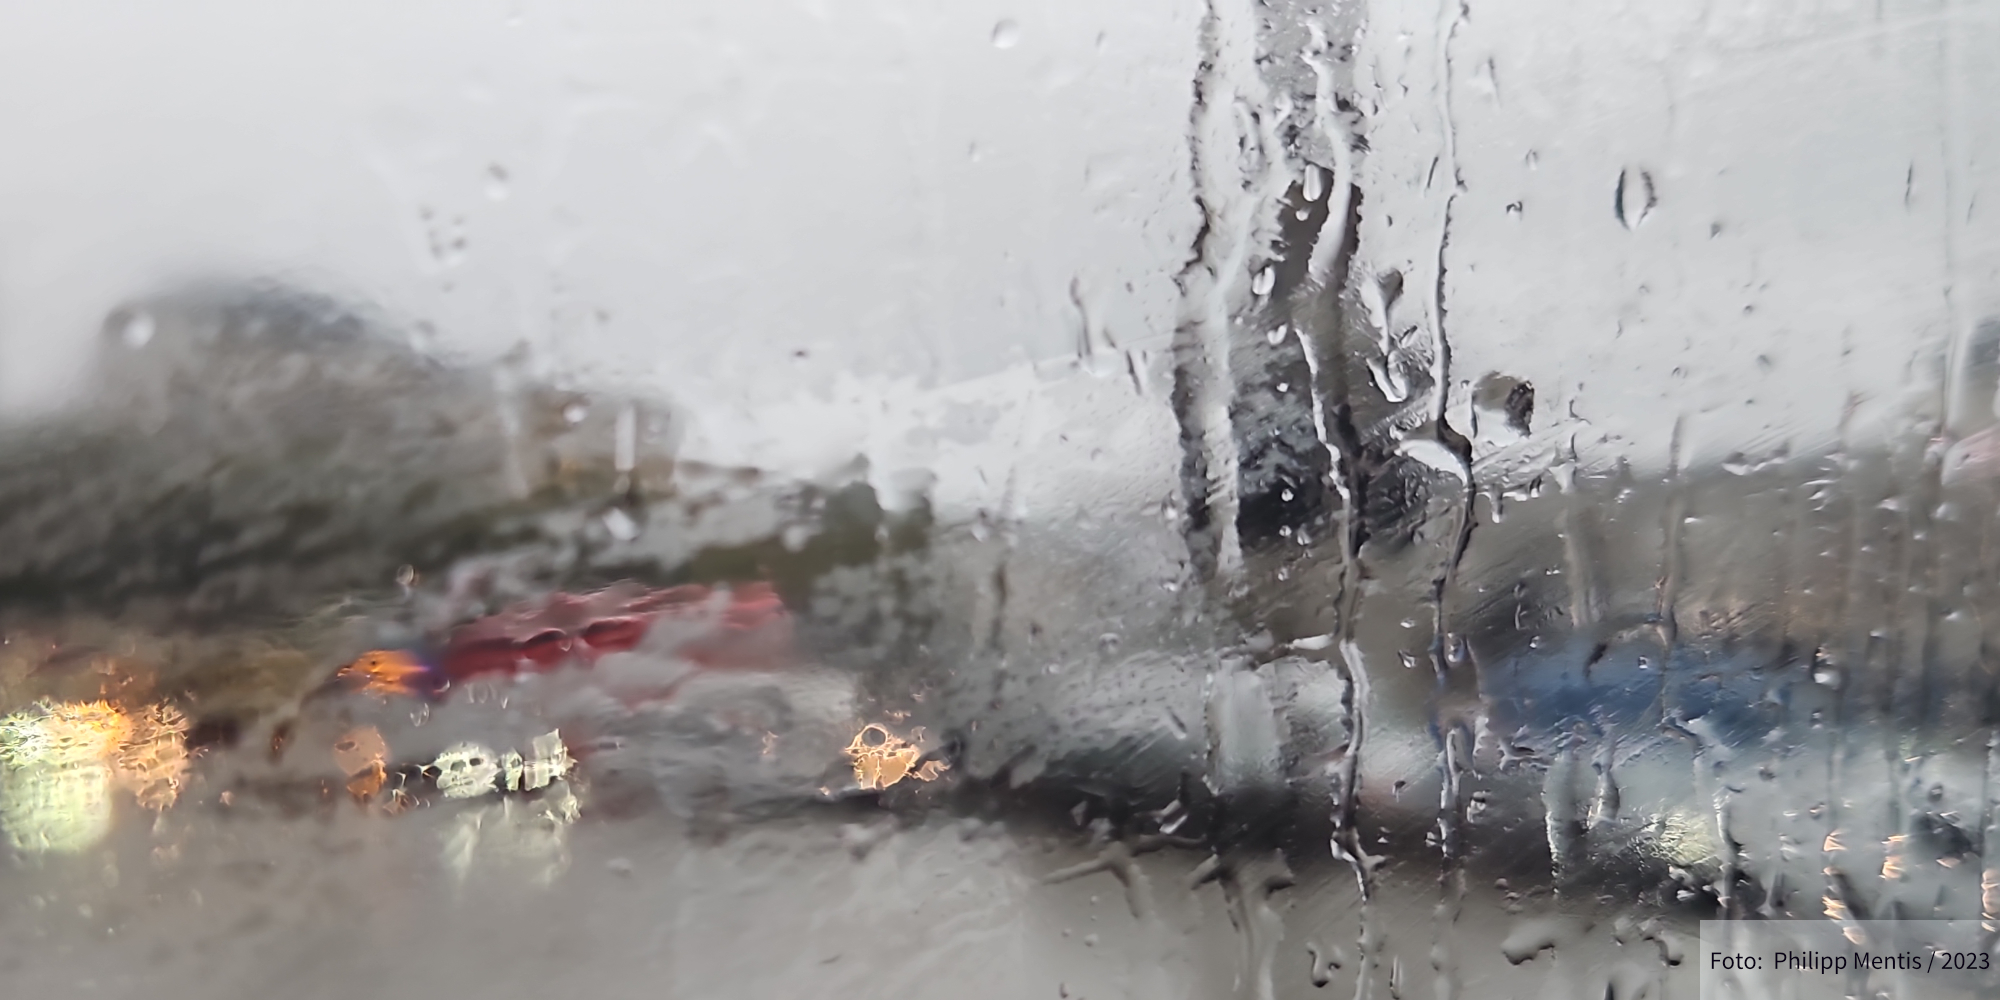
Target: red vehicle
x,y
742,626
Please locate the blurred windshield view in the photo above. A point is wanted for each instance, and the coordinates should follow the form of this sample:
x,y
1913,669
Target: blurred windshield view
x,y
1075,499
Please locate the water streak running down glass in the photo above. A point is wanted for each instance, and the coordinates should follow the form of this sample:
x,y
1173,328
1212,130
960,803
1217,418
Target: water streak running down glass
x,y
1060,499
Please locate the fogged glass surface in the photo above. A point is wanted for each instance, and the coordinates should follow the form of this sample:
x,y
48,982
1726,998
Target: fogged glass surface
x,y
1072,499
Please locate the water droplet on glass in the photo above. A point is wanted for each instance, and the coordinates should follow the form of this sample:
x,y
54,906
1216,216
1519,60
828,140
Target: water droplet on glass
x,y
496,182
1532,936
1315,184
1324,962
1265,279
621,525
625,438
138,331
1633,199
575,412
1389,378
1006,34
795,537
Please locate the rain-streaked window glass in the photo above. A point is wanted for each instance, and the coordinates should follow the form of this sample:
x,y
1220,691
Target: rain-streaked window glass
x,y
1063,498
